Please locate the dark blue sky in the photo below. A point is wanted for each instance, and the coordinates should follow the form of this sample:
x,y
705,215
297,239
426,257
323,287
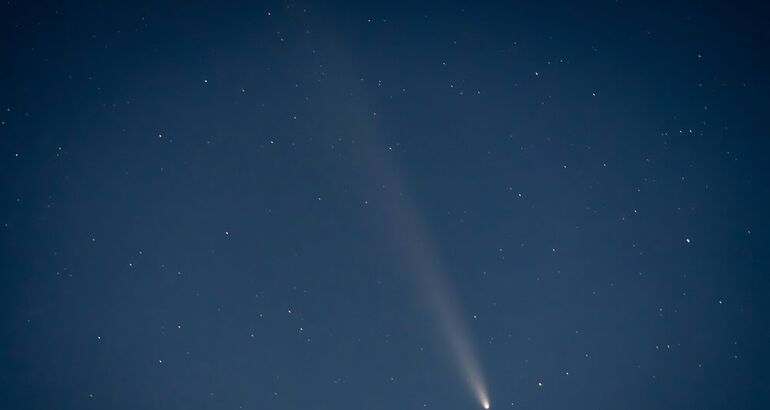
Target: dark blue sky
x,y
225,205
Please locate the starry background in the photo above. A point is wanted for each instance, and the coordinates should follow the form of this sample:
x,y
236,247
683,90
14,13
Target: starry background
x,y
190,217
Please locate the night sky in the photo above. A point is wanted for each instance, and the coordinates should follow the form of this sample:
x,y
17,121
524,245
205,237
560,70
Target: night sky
x,y
384,205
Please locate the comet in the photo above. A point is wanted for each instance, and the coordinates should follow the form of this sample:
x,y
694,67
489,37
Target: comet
x,y
422,264
396,213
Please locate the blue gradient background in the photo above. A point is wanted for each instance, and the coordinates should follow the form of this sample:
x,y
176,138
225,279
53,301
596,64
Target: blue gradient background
x,y
591,179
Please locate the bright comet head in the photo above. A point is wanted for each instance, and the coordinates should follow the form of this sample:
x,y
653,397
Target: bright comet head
x,y
485,405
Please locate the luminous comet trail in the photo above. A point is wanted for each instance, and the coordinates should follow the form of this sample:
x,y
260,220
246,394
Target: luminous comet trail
x,y
397,213
418,251
415,247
